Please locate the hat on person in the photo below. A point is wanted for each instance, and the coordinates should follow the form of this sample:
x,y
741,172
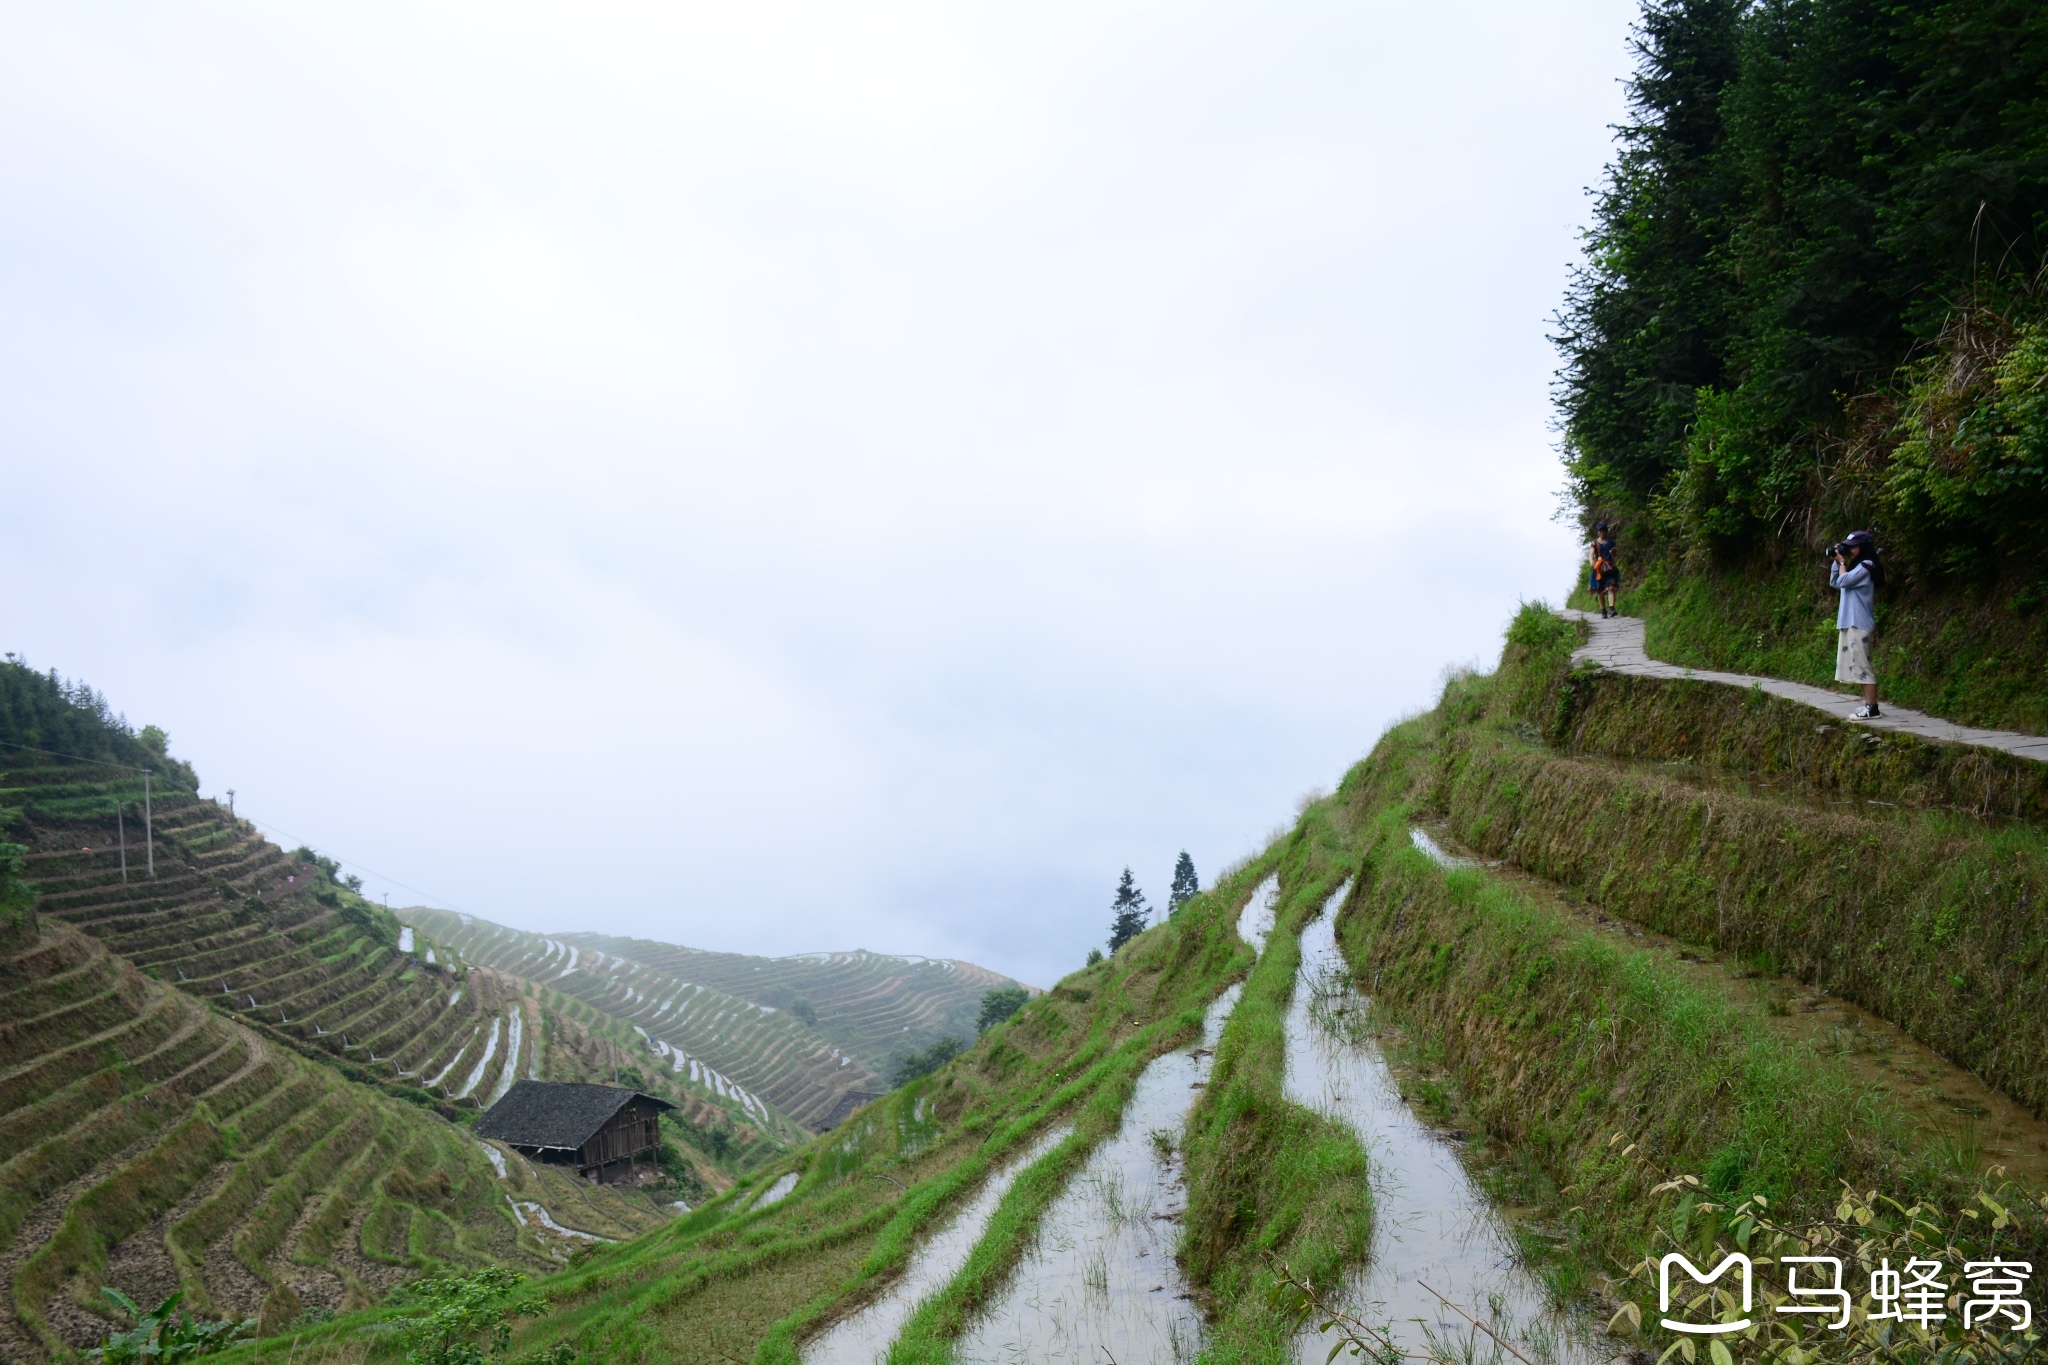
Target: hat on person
x,y
1861,538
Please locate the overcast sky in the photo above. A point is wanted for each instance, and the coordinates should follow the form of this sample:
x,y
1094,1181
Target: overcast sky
x,y
784,477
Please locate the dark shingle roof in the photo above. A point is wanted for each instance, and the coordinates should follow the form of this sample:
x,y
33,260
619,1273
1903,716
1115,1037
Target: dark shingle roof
x,y
555,1113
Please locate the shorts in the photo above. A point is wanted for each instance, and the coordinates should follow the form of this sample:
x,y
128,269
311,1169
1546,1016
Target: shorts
x,y
1601,582
1852,657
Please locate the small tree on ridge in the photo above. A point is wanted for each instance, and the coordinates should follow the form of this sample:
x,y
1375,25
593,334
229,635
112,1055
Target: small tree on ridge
x,y
1185,884
1129,909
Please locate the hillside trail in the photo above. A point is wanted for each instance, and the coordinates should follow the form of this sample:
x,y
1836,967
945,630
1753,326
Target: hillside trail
x,y
1617,644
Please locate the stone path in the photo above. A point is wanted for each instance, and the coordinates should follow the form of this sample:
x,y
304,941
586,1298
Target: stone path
x,y
1617,643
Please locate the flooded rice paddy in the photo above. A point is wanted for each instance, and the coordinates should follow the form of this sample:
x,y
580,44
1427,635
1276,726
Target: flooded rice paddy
x,y
1435,852
1432,1226
864,1338
1255,921
777,1192
1100,1282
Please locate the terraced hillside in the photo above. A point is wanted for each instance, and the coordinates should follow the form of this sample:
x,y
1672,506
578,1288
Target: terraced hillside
x,y
273,939
760,1057
151,1143
1555,983
874,1006
293,953
224,1072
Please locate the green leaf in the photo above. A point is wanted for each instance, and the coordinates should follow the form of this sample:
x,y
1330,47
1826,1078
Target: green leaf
x,y
121,1301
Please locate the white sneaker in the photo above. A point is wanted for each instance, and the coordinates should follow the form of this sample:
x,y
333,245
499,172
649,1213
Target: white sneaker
x,y
1867,711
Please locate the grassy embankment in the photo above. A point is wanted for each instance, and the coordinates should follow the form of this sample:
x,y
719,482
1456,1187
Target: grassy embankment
x,y
1860,863
1557,1037
1267,1179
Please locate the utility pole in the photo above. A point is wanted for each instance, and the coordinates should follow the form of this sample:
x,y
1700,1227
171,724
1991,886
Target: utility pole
x,y
121,828
148,826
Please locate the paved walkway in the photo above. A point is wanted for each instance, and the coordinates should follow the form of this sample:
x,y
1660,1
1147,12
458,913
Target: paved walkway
x,y
1617,643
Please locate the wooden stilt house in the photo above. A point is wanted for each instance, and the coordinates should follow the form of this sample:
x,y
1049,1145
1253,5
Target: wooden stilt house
x,y
602,1130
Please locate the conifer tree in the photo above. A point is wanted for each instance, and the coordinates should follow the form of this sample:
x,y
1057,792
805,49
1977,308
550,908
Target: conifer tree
x,y
1185,884
1129,911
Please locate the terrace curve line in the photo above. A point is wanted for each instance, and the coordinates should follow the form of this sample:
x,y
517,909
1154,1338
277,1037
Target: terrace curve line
x,y
1617,644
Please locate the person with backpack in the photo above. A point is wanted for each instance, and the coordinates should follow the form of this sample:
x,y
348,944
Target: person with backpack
x,y
1604,578
1856,575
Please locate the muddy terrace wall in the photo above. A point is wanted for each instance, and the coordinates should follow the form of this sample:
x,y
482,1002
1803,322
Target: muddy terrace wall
x,y
1848,879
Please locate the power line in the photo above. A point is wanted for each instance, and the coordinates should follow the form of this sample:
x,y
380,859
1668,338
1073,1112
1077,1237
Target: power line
x,y
304,843
77,758
350,862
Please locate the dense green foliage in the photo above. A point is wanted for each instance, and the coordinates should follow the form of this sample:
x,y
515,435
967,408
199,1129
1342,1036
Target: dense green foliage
x,y
998,1005
166,1333
927,1060
467,1319
1811,293
41,711
17,898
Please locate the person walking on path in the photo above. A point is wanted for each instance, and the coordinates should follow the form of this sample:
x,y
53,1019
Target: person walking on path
x,y
1604,581
1856,574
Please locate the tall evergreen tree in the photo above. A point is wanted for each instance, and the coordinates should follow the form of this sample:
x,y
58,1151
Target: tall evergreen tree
x,y
1129,911
1185,884
1818,248
1646,319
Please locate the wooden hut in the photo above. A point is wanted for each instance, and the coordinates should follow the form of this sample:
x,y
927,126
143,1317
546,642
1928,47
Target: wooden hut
x,y
603,1130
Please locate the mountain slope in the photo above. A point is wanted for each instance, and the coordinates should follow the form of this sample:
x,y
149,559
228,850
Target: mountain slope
x,y
1617,1025
223,1072
874,1006
764,1058
152,1143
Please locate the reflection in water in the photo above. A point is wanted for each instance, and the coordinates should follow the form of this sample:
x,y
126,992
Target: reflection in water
x,y
1255,921
1434,851
1100,1277
864,1338
777,1192
1430,1223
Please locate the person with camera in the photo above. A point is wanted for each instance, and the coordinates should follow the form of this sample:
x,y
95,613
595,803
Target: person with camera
x,y
1604,580
1856,575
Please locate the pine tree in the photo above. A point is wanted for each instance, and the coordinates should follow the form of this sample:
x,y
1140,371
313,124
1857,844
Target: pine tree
x,y
1646,322
1129,909
1185,884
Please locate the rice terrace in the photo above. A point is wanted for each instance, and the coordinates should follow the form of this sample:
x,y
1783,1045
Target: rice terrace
x,y
770,508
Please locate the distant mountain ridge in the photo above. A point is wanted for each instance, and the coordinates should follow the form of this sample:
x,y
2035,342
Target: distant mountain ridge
x,y
872,1004
806,1038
